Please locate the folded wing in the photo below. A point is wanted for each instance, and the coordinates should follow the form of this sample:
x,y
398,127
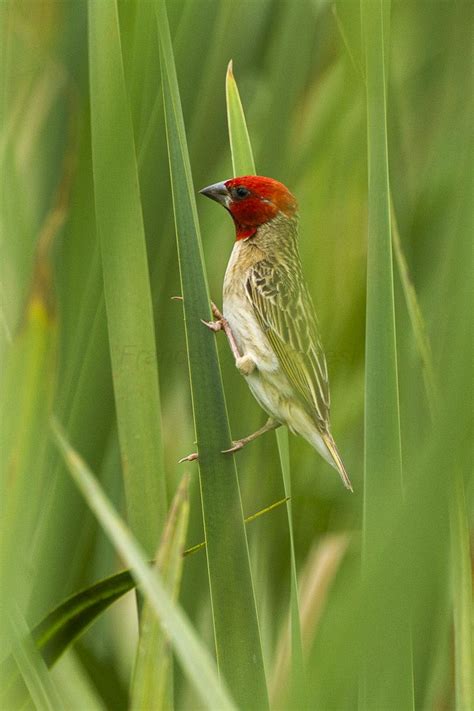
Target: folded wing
x,y
284,309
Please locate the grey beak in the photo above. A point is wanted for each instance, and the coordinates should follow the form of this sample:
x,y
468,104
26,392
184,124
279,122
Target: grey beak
x,y
217,192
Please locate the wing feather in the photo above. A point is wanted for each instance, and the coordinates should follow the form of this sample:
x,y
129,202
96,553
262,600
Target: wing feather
x,y
284,309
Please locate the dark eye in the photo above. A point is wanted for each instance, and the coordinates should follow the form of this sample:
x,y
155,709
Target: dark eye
x,y
241,192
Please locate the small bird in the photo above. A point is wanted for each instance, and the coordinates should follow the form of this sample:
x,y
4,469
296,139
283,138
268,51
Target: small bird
x,y
268,314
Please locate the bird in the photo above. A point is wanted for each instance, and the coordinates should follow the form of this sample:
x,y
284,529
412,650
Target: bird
x,y
269,317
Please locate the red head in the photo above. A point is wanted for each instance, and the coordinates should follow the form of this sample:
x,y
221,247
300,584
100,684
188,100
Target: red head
x,y
252,201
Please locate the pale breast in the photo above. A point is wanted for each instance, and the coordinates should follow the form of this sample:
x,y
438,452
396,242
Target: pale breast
x,y
250,337
268,382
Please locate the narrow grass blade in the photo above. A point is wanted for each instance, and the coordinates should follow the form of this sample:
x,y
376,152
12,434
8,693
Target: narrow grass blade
x,y
62,627
298,684
27,387
126,278
69,620
240,146
75,687
152,682
194,658
33,670
387,677
461,586
415,314
320,569
243,164
417,321
383,450
237,635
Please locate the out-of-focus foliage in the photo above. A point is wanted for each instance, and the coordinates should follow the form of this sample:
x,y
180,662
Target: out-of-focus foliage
x,y
300,68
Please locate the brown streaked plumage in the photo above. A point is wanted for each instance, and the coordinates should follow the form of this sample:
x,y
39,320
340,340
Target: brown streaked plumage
x,y
269,313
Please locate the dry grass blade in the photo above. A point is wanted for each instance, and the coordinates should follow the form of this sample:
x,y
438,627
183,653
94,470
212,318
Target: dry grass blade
x,y
319,571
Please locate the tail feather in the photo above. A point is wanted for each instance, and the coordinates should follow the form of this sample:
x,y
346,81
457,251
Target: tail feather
x,y
336,459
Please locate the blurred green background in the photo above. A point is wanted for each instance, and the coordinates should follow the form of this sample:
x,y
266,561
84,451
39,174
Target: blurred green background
x,y
299,66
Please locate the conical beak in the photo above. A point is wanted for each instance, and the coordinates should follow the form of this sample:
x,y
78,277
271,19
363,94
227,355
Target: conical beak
x,y
217,192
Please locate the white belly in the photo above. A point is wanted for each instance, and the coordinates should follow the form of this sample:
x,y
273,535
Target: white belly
x,y
267,382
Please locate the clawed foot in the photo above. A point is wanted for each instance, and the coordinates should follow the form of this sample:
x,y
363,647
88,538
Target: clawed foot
x,y
238,444
195,456
219,324
213,325
190,458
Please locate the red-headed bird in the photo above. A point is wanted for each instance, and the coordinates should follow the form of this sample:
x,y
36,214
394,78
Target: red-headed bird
x,y
269,316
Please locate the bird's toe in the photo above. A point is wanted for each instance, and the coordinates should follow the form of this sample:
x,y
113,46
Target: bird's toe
x,y
235,447
190,458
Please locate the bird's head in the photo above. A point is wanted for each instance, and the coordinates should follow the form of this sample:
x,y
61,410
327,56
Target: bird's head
x,y
252,200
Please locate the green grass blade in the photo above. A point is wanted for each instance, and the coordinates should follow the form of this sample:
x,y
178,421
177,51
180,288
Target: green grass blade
x,y
415,314
71,618
32,668
387,680
194,658
126,278
383,450
417,321
237,635
240,146
152,683
243,164
75,687
64,625
27,386
298,684
461,585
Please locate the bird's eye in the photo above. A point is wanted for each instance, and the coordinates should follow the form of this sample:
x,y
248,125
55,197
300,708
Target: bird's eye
x,y
241,192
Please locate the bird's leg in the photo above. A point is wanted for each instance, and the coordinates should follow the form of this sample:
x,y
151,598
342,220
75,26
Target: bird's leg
x,y
270,424
221,324
245,364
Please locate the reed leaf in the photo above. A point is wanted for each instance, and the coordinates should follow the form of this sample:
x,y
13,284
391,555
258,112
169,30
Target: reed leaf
x,y
41,689
126,278
243,164
387,636
237,635
417,320
415,313
194,658
152,685
461,586
64,625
